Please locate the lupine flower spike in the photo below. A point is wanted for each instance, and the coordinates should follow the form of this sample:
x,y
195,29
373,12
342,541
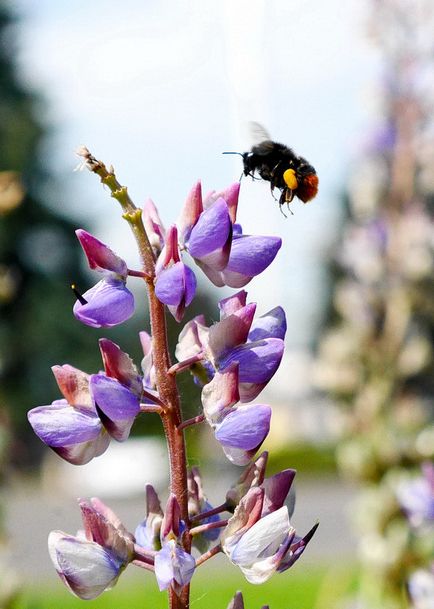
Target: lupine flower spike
x,y
231,360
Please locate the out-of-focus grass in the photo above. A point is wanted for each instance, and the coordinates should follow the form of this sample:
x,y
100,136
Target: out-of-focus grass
x,y
304,587
307,459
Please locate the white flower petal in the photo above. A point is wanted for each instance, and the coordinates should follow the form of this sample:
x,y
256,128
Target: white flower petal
x,y
85,567
263,537
260,571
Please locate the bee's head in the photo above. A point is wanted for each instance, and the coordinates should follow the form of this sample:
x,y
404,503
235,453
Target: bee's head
x,y
305,169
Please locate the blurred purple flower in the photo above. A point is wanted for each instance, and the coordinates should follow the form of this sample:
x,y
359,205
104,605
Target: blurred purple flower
x,y
417,497
421,588
109,302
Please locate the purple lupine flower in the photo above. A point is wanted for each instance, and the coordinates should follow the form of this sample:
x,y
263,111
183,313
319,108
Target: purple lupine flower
x,y
230,194
253,475
119,365
276,492
117,391
237,602
148,369
173,565
220,395
109,302
255,345
116,405
417,497
91,564
261,543
240,430
193,339
175,284
153,226
147,533
198,503
206,233
277,488
250,256
71,427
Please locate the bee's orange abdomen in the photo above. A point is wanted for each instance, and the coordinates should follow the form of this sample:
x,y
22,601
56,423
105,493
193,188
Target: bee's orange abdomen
x,y
307,188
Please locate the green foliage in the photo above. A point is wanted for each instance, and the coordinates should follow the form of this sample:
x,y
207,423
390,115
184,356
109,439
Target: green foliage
x,y
316,587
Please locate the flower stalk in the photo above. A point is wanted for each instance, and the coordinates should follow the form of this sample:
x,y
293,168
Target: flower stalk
x,y
165,382
232,361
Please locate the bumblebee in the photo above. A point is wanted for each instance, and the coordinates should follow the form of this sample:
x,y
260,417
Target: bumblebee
x,y
280,166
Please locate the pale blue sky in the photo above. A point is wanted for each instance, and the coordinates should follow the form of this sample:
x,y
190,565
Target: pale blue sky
x,y
161,88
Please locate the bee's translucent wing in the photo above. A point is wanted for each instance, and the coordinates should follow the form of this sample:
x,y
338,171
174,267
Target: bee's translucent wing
x,y
258,133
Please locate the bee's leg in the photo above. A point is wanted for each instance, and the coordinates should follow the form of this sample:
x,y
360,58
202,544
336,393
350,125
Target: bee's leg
x,y
251,174
272,187
281,202
286,197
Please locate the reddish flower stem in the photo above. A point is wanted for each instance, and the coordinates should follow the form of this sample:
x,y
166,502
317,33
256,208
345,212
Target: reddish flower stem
x,y
152,398
215,550
181,366
140,274
194,421
146,408
143,565
166,382
202,528
217,510
144,556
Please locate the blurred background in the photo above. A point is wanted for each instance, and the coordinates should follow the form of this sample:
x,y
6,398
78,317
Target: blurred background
x,y
160,90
